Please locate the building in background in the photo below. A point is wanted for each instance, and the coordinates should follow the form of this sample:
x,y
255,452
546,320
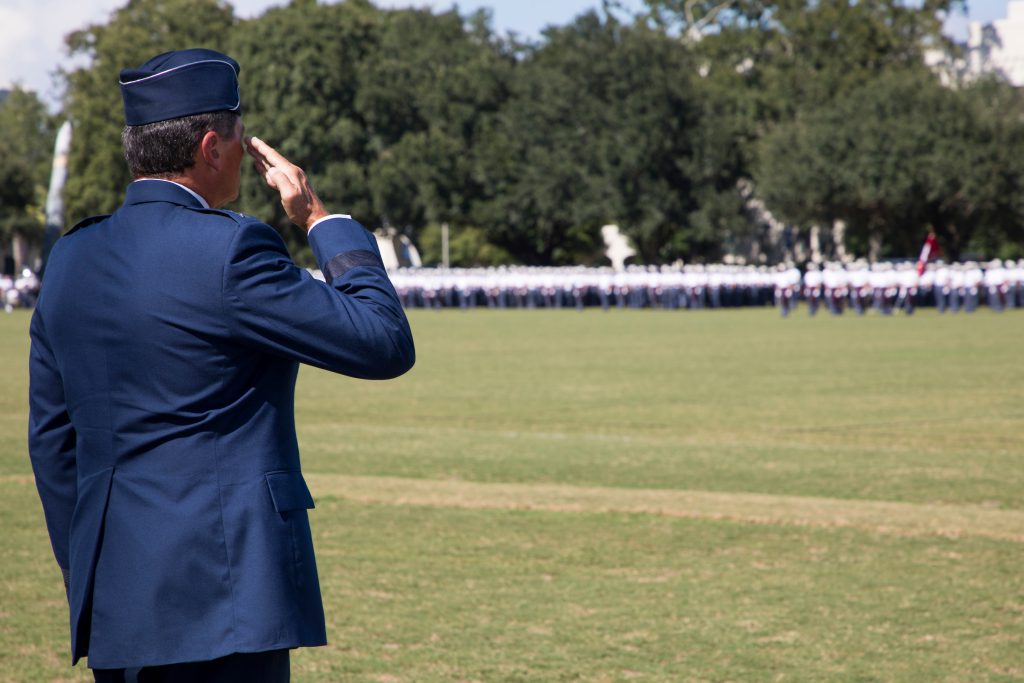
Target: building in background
x,y
999,45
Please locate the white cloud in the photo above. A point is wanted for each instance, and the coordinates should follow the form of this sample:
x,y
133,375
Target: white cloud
x,y
252,8
433,4
16,38
32,38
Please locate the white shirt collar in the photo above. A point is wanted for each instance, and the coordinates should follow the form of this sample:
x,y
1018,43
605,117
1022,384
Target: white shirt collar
x,y
202,201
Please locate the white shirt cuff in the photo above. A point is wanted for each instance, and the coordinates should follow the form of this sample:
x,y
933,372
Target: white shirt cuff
x,y
327,218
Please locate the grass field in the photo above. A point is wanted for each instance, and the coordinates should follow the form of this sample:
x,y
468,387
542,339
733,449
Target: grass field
x,y
637,495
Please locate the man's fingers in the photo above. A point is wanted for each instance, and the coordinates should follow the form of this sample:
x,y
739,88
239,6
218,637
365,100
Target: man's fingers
x,y
269,176
271,155
272,161
263,172
293,195
259,166
281,181
262,164
288,174
254,153
297,197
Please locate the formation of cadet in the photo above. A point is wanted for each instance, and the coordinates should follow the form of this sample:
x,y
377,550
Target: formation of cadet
x,y
891,287
670,287
857,287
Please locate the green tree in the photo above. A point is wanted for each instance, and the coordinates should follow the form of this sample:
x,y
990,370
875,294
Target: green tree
x,y
26,152
600,129
428,88
28,130
17,193
798,52
764,64
902,155
975,197
382,108
467,247
299,82
97,173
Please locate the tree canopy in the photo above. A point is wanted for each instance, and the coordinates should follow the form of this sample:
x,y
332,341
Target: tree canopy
x,y
896,158
670,123
601,128
26,146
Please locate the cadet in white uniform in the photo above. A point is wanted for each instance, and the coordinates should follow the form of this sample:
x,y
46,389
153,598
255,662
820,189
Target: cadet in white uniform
x,y
907,281
995,283
973,279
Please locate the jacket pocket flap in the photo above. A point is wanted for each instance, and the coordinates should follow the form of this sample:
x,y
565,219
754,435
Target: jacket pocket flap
x,y
289,491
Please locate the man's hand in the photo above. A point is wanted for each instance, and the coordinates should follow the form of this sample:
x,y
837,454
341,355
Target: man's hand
x,y
301,204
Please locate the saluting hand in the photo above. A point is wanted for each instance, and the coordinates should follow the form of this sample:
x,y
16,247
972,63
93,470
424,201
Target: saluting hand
x,y
299,200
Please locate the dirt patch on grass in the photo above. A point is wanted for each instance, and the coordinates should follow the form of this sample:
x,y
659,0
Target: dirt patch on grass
x,y
753,508
17,479
912,519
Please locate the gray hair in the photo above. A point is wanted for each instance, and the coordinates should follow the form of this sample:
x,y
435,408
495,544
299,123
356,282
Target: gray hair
x,y
166,148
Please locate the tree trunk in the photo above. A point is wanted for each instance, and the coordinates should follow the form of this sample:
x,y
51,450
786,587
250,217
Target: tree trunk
x,y
874,246
839,241
814,242
20,249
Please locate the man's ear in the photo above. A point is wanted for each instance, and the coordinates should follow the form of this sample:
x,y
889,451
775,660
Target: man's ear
x,y
209,150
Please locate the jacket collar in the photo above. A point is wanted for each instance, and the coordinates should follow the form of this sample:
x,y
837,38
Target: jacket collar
x,y
152,190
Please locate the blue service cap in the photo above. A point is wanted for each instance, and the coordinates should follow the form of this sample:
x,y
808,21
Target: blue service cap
x,y
179,83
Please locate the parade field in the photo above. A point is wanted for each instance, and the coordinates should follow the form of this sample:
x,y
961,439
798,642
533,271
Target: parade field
x,y
667,496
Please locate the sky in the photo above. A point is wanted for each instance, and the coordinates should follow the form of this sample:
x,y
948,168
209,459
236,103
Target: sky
x,y
32,31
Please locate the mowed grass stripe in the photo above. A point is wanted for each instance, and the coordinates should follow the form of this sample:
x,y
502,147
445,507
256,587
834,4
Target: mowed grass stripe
x,y
753,508
780,436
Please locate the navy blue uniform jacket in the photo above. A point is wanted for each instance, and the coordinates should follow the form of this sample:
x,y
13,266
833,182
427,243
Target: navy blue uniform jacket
x,y
165,347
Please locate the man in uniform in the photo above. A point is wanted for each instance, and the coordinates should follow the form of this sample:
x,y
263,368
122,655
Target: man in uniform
x,y
165,348
787,287
834,280
973,279
908,282
812,287
858,290
942,287
996,288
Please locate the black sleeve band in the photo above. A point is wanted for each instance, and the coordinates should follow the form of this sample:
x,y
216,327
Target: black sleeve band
x,y
348,260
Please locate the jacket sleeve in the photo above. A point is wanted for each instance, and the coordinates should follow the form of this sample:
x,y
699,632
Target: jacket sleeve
x,y
51,444
353,324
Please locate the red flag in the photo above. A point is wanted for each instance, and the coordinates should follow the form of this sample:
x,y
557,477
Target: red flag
x,y
926,253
